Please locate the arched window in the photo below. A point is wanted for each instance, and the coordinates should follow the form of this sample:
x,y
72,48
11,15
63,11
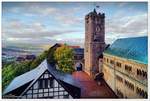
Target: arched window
x,y
143,73
142,93
137,71
146,75
145,94
140,72
137,90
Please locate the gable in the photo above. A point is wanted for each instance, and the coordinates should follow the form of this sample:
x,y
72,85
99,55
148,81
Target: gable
x,y
65,80
46,86
25,78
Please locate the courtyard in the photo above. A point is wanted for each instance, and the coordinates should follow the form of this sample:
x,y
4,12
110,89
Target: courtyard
x,y
90,88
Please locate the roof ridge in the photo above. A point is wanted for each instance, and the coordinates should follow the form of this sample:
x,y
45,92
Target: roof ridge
x,y
7,90
131,37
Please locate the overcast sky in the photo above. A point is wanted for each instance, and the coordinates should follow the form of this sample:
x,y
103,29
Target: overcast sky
x,y
49,23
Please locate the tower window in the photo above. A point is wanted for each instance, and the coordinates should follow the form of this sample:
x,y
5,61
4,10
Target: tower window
x,y
87,21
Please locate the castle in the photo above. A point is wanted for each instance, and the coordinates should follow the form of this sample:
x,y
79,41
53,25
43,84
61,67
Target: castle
x,y
124,63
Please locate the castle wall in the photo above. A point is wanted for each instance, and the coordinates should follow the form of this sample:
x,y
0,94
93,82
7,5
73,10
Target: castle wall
x,y
123,77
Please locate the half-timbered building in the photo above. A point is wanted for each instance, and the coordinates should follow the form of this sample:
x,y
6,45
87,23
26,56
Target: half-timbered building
x,y
43,82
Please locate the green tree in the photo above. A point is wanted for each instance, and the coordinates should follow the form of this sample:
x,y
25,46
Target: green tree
x,y
64,57
38,60
10,71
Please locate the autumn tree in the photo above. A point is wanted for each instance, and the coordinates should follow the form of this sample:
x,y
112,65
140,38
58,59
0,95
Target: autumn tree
x,y
64,57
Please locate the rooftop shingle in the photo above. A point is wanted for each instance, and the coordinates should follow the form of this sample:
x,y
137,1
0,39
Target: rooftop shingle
x,y
135,49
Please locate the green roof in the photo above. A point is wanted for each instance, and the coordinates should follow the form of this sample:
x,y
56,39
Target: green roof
x,y
134,48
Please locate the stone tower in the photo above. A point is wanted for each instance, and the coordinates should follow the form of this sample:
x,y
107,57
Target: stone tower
x,y
94,41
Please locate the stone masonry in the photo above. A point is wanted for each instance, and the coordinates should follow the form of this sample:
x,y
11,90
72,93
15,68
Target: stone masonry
x,y
94,41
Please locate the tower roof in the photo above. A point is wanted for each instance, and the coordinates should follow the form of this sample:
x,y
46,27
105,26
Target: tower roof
x,y
130,48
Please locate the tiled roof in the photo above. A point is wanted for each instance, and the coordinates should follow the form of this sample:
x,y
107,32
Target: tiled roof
x,y
78,51
135,48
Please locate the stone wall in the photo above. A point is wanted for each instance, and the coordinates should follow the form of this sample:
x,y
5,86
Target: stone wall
x,y
94,41
123,77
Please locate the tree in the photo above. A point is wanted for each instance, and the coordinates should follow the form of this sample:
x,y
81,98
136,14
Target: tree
x,y
64,57
38,60
10,71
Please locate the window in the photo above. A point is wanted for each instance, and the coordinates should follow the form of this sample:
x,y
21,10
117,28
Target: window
x,y
129,85
119,78
141,73
43,83
118,64
87,20
111,62
51,82
138,72
107,60
128,68
141,92
119,93
46,83
40,83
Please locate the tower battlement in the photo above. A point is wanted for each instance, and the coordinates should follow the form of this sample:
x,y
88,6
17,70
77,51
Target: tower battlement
x,y
95,14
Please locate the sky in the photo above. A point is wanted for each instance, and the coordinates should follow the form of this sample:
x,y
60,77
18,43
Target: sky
x,y
47,23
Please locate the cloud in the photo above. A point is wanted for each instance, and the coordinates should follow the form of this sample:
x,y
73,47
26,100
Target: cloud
x,y
128,26
43,41
19,29
43,9
69,20
40,23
